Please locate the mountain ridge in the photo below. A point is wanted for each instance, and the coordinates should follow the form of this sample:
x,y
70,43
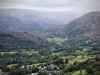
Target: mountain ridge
x,y
88,25
22,19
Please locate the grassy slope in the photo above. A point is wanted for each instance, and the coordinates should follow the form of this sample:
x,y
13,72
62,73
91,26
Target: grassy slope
x,y
31,52
27,52
38,64
9,66
57,53
83,51
56,39
2,53
52,48
78,72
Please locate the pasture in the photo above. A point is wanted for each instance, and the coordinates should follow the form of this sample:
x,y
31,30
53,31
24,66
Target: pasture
x,y
56,39
78,72
31,52
2,53
57,53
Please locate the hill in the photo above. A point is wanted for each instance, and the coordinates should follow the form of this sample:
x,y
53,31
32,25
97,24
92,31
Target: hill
x,y
88,25
12,40
79,33
24,20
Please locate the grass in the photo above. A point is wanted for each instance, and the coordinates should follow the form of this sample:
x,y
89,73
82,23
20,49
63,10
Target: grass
x,y
31,52
78,72
52,48
57,53
38,64
56,39
69,56
79,59
2,53
71,61
85,49
78,51
9,66
27,52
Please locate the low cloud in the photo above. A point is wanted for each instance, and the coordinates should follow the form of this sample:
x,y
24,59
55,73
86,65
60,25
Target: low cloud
x,y
52,5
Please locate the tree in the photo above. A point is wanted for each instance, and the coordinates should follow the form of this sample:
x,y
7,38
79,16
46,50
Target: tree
x,y
42,72
96,73
91,61
34,70
81,70
89,69
66,60
97,58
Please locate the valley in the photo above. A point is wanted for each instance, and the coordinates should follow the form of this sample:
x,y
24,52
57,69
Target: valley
x,y
32,45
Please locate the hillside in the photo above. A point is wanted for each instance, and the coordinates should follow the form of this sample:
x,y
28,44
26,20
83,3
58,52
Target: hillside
x,y
11,40
87,25
23,20
81,32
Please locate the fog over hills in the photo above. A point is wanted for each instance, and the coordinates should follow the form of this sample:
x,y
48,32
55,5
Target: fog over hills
x,y
88,25
25,20
30,20
20,19
65,17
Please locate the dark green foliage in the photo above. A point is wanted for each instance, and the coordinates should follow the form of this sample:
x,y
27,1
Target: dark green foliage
x,y
58,61
89,69
9,42
91,66
80,70
43,72
45,52
66,60
19,72
35,70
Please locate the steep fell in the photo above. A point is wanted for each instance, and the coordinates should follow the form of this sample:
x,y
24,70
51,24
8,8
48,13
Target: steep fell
x,y
87,25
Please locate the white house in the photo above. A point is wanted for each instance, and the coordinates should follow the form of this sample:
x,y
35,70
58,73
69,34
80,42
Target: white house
x,y
0,72
34,73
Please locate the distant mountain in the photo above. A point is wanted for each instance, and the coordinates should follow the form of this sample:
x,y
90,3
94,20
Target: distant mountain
x,y
87,25
65,17
22,19
11,40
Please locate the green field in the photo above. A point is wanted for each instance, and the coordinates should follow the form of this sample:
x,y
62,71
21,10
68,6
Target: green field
x,y
57,53
31,52
79,59
38,64
69,56
52,48
78,72
56,39
2,53
27,52
78,51
83,51
9,66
